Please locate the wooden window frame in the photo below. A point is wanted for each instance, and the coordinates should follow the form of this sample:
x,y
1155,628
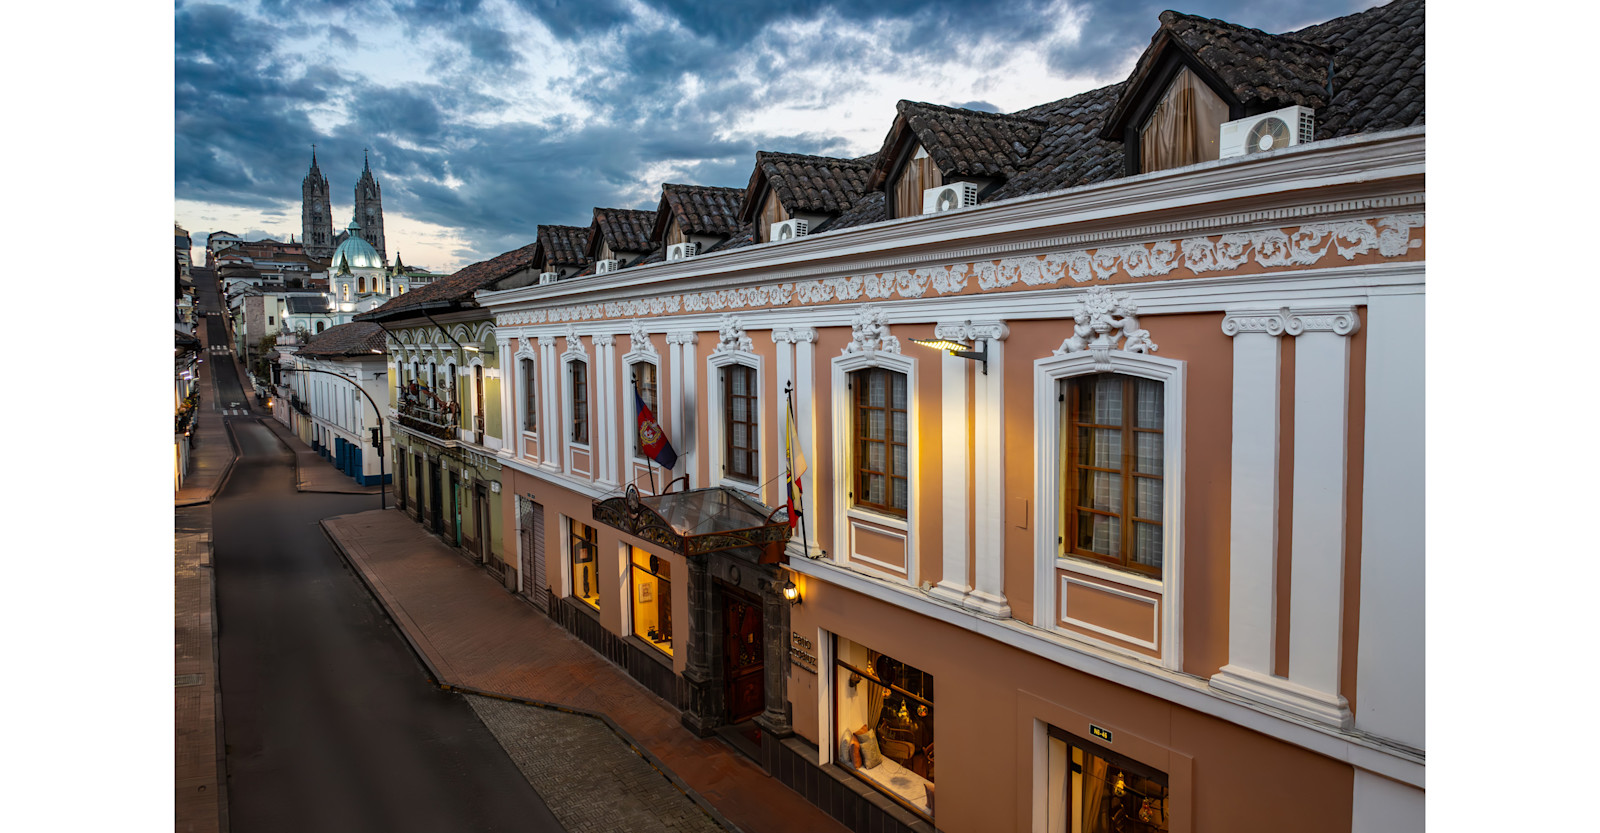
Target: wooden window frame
x,y
1071,506
653,401
589,540
578,385
729,448
859,380
530,395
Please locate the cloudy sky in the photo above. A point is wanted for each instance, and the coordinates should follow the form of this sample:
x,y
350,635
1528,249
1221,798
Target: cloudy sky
x,y
486,118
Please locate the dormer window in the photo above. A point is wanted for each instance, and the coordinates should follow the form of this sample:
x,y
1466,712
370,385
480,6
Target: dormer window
x,y
772,211
918,175
1184,126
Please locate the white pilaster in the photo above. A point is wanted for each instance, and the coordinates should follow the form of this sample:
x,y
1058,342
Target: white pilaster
x,y
551,431
1253,526
1392,654
509,428
953,586
1380,805
687,404
607,469
988,595
805,349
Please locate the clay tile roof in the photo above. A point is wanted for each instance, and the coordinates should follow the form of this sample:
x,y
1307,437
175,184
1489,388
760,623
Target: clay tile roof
x,y
961,142
1071,152
869,209
563,245
457,288
699,209
807,183
745,236
358,338
623,229
1378,69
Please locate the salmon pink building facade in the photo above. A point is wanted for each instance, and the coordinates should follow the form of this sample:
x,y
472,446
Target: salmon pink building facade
x,y
1111,504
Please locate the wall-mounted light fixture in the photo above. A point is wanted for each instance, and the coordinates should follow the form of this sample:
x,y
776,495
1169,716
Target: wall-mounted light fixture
x,y
791,593
956,348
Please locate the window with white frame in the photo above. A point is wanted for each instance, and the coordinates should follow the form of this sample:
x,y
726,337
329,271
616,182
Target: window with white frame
x,y
1109,435
530,398
579,371
880,439
644,381
741,458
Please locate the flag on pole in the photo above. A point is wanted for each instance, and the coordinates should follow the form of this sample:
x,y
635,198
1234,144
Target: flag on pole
x,y
796,457
652,440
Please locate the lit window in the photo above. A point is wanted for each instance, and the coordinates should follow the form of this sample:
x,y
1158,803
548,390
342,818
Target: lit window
x,y
1114,470
585,572
1184,128
652,599
1095,790
881,435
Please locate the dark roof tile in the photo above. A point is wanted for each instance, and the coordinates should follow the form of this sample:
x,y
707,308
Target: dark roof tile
x,y
1378,53
960,142
698,209
357,338
623,229
807,183
562,245
457,288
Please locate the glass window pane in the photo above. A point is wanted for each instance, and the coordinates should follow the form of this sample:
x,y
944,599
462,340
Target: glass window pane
x,y
875,392
899,427
741,435
899,461
1149,453
900,501
875,425
738,381
741,412
1147,544
899,389
1099,533
1152,404
1108,400
875,456
1107,446
1147,498
1100,490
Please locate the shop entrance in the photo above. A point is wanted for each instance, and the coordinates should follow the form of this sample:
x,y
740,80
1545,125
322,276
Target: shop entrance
x,y
480,519
455,510
742,653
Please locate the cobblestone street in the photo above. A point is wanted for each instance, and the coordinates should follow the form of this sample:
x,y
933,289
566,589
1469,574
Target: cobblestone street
x,y
588,776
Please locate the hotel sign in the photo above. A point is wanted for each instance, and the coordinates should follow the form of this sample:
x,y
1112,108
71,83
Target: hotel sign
x,y
801,653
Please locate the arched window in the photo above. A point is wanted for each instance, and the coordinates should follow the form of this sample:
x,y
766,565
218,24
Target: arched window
x,y
321,325
361,284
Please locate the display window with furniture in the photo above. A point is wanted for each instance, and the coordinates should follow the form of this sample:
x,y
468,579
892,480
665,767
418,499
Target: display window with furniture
x,y
1092,789
883,714
652,599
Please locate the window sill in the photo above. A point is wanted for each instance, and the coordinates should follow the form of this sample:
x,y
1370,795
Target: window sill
x,y
892,521
1105,572
648,649
583,606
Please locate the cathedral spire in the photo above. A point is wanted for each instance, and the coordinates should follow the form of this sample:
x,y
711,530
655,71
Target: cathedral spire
x,y
365,165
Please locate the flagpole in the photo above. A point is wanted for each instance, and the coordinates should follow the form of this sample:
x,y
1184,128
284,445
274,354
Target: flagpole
x,y
647,458
793,429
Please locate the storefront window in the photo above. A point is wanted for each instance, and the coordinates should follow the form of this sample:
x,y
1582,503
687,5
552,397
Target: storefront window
x,y
1095,790
585,572
883,711
652,600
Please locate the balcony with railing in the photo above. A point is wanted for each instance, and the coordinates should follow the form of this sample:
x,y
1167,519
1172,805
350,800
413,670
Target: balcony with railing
x,y
423,411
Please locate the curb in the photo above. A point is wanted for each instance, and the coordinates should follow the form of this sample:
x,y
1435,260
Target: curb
x,y
437,679
278,431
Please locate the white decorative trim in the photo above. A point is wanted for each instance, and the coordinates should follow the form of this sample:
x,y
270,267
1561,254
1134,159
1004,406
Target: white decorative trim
x,y
869,332
731,337
1388,236
1048,374
888,570
575,348
639,343
1341,321
1271,322
1155,613
715,426
1107,318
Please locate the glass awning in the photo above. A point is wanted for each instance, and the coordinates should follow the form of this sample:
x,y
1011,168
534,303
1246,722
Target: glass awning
x,y
698,521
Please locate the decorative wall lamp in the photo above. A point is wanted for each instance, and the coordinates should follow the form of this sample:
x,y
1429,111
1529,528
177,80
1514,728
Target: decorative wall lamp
x,y
791,593
958,349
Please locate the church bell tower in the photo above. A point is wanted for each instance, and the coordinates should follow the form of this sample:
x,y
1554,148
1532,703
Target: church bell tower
x,y
316,213
369,208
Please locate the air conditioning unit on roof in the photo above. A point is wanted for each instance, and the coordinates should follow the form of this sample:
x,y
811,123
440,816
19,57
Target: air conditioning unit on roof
x,y
681,251
603,266
548,277
1267,131
949,197
789,229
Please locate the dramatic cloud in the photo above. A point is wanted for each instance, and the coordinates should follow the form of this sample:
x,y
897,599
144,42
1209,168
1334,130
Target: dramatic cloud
x,y
485,118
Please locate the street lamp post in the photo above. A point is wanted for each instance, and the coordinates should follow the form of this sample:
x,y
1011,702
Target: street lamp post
x,y
377,431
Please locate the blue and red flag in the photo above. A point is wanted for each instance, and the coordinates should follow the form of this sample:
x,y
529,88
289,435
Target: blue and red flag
x,y
652,439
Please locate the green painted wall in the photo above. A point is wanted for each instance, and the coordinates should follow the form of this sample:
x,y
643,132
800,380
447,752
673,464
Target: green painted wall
x,y
491,404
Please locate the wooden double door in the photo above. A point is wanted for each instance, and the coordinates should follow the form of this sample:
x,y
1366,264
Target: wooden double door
x,y
743,654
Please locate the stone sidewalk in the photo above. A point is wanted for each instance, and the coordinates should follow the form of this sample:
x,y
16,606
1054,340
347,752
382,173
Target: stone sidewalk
x,y
473,634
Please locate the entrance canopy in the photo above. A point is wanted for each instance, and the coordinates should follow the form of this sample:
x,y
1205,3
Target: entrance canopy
x,y
698,521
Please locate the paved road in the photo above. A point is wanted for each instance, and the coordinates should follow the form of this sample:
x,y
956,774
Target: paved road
x,y
329,721
229,388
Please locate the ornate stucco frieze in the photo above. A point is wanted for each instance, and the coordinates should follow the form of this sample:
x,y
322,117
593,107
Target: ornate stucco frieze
x,y
731,337
639,341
